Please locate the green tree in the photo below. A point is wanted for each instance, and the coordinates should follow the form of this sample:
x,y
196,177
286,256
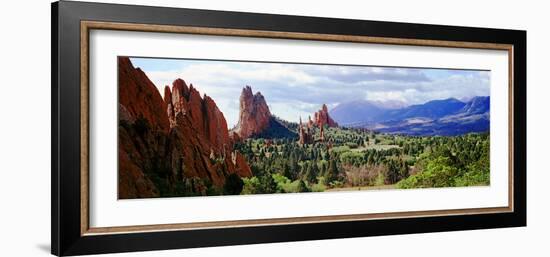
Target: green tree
x,y
438,173
404,173
304,169
286,171
302,187
267,184
393,173
311,173
323,170
233,185
251,186
332,172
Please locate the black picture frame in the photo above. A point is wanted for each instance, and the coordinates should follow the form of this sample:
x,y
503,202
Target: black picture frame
x,y
66,234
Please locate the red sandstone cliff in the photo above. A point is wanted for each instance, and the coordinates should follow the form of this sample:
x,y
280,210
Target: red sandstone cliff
x,y
139,95
254,114
202,114
181,139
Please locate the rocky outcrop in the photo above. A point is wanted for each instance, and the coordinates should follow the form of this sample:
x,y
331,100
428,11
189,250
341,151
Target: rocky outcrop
x,y
202,114
239,161
305,133
171,143
132,182
139,96
322,117
215,126
254,114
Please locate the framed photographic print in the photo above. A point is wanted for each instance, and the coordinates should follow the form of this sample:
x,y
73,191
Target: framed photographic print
x,y
177,128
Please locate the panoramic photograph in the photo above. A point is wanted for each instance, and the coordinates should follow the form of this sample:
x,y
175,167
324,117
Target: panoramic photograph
x,y
190,127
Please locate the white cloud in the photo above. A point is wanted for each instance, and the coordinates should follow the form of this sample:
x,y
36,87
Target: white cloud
x,y
402,96
294,90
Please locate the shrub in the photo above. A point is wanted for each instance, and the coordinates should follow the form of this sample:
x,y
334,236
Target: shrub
x,y
302,187
233,185
281,181
251,186
340,149
319,187
477,174
267,184
380,179
438,173
352,145
355,158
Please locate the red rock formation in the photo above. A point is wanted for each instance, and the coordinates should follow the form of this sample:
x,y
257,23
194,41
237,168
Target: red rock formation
x,y
310,123
216,126
234,137
203,114
182,138
178,97
254,114
243,170
139,95
132,183
169,106
321,118
305,134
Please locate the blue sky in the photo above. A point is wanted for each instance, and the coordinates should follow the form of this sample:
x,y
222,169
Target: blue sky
x,y
294,90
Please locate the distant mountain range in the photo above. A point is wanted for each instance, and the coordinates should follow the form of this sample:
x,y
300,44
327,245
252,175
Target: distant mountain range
x,y
445,117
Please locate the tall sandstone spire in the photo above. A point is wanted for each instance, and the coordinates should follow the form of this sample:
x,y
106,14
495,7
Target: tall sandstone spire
x,y
254,114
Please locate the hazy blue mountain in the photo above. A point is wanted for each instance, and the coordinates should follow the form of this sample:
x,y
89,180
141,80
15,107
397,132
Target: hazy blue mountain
x,y
357,112
447,126
432,110
437,117
477,105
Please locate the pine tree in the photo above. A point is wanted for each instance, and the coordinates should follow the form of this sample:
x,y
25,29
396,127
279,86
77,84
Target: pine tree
x,y
332,172
286,172
305,169
404,170
268,184
311,173
323,170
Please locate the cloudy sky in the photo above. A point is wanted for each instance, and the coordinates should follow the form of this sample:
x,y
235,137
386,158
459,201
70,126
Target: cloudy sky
x,y
294,90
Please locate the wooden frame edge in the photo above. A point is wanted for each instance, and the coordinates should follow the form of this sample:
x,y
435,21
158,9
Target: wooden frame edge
x,y
84,129
289,221
86,26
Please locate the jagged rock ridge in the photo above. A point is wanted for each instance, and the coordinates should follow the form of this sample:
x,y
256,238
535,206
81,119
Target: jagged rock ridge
x,y
181,139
